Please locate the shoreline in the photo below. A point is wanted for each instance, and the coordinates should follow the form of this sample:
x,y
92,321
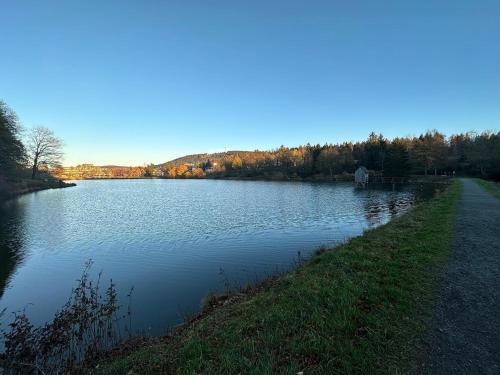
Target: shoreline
x,y
318,178
27,186
217,338
229,178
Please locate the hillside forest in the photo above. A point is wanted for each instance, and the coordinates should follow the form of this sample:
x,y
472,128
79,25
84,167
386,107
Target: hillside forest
x,y
431,153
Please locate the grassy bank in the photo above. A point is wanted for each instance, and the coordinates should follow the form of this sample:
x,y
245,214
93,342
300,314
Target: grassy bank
x,y
359,308
24,186
489,186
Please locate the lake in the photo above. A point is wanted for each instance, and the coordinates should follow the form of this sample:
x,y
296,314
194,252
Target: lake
x,y
172,240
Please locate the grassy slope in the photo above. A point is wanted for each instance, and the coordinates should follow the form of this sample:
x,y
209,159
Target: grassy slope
x,y
489,186
27,185
360,308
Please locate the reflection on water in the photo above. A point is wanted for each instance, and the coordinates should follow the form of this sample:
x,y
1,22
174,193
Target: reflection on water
x,y
11,246
170,239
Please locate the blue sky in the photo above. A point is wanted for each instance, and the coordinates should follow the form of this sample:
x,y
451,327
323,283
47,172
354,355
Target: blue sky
x,y
131,82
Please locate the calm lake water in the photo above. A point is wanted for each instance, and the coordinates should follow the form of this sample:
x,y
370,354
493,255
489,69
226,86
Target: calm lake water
x,y
172,240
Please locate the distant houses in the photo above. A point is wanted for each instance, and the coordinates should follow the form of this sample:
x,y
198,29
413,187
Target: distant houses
x,y
361,176
82,171
210,166
90,171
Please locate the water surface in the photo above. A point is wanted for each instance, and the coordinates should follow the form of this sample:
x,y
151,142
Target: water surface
x,y
172,240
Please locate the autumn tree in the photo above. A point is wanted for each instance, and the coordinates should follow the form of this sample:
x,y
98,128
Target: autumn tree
x,y
171,172
43,148
237,163
430,150
283,157
181,170
150,170
197,172
118,172
135,172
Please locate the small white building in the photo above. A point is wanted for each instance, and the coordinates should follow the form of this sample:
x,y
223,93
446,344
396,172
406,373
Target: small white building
x,y
361,176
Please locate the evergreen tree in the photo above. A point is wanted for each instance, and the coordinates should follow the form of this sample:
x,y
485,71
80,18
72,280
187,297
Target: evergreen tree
x,y
12,152
397,160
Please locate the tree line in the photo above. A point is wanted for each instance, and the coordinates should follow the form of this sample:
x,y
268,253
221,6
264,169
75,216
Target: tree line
x,y
477,154
25,153
431,153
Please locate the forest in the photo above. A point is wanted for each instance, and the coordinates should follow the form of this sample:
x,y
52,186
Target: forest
x,y
431,153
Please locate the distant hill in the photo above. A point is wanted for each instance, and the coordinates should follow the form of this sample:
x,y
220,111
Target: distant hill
x,y
202,158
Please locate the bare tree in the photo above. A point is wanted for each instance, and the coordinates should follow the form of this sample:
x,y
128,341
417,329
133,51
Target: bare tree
x,y
44,148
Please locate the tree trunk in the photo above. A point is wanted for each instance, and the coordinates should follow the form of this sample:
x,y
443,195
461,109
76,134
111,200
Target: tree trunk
x,y
35,168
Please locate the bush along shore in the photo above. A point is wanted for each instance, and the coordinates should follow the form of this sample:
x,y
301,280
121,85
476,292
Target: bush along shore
x,y
359,308
84,327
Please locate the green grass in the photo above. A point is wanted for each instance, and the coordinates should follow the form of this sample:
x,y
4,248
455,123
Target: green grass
x,y
359,308
489,186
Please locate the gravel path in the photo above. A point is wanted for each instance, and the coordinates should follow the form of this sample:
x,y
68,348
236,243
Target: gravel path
x,y
465,336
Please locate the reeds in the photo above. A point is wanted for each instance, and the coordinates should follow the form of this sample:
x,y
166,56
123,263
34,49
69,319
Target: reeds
x,y
87,325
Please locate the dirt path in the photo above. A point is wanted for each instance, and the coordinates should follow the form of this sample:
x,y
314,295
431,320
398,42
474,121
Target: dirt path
x,y
465,336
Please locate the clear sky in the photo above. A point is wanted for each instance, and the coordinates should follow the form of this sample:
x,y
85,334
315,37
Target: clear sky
x,y
132,82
